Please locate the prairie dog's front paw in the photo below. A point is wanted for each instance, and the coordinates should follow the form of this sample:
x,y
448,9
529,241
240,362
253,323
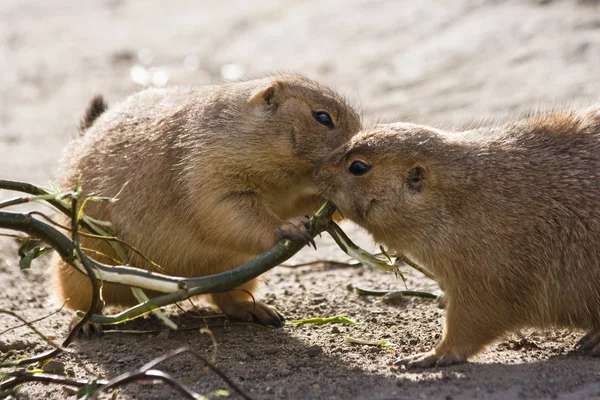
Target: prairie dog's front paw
x,y
254,311
296,229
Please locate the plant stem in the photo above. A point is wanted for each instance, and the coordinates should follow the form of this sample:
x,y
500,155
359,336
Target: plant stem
x,y
379,293
226,280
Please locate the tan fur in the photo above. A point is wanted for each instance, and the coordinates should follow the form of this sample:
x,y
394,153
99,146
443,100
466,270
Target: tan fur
x,y
507,218
206,175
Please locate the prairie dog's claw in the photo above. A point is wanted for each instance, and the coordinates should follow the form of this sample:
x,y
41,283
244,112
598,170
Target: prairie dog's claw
x,y
428,360
88,330
296,229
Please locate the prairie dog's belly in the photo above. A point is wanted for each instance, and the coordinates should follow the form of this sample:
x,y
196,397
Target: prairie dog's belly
x,y
181,253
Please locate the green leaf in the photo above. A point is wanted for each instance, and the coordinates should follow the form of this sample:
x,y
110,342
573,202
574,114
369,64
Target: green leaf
x,y
86,392
385,254
218,393
28,255
32,254
103,198
378,343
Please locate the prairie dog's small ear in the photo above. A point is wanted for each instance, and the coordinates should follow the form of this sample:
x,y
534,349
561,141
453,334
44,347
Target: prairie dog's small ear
x,y
267,95
415,178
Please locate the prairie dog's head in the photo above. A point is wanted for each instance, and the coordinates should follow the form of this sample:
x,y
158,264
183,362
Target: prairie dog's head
x,y
387,179
302,116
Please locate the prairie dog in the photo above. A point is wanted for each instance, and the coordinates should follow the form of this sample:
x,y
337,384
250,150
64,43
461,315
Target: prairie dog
x,y
208,177
507,218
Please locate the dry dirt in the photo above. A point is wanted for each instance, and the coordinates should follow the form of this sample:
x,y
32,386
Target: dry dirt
x,y
445,63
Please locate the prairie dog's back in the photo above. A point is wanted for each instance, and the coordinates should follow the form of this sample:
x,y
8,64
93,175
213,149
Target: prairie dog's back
x,y
123,153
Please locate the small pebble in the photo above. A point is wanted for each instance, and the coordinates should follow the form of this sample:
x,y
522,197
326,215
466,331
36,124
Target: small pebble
x,y
54,367
393,298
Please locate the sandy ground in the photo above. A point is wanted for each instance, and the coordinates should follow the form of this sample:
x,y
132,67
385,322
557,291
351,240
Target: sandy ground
x,y
445,63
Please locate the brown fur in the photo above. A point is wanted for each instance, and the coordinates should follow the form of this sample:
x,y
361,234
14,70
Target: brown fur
x,y
507,218
206,177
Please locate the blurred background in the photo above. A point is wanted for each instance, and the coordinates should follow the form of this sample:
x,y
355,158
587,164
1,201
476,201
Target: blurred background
x,y
440,62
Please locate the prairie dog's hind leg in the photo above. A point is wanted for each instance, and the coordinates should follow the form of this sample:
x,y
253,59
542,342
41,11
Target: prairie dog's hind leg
x,y
240,304
75,288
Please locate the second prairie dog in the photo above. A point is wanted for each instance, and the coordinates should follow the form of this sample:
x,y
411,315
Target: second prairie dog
x,y
507,219
207,177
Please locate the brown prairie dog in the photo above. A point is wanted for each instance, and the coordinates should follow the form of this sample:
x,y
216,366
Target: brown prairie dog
x,y
208,178
507,218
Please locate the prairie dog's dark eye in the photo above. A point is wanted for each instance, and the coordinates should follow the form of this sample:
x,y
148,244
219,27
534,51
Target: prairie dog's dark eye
x,y
323,118
359,168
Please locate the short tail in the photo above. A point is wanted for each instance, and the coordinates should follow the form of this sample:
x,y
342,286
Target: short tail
x,y
94,109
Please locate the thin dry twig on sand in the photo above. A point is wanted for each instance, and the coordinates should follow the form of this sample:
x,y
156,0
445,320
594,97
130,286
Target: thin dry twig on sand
x,y
27,323
30,325
94,387
16,378
147,371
